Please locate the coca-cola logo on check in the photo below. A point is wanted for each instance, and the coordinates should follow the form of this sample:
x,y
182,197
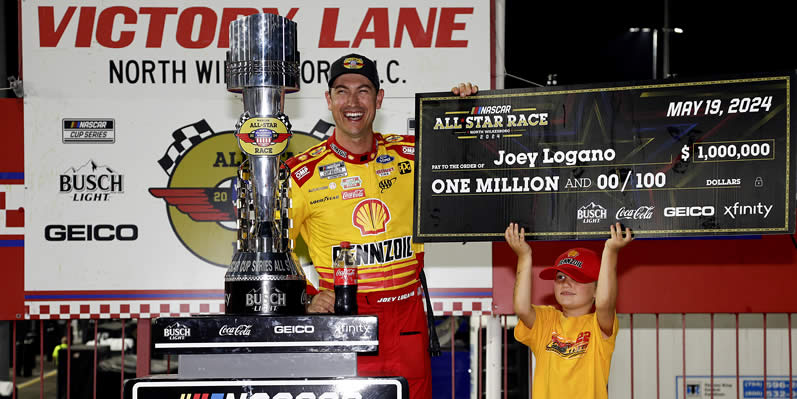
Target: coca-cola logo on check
x,y
641,213
243,330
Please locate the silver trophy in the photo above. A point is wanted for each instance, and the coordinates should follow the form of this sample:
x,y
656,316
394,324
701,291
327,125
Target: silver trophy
x,y
262,64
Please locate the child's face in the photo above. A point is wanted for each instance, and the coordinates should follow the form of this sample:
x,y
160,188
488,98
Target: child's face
x,y
571,294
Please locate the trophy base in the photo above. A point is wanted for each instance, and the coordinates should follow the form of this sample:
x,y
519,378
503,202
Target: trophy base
x,y
264,283
265,297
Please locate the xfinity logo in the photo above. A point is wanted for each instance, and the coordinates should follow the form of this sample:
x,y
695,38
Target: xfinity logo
x,y
341,329
737,210
294,329
643,212
679,211
243,330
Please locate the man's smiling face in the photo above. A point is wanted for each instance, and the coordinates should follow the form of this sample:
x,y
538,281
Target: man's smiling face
x,y
353,100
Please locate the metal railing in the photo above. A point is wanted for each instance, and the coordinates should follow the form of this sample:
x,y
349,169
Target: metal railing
x,y
637,329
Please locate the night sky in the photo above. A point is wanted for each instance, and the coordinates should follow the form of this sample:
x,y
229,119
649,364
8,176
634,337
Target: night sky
x,y
589,42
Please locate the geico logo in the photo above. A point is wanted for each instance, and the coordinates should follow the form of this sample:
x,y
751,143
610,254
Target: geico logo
x,y
87,232
294,329
674,211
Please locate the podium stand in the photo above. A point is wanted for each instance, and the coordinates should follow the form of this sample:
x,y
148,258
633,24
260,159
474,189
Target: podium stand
x,y
265,357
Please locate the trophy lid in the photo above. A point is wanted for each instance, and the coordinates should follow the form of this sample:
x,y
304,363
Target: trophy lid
x,y
263,53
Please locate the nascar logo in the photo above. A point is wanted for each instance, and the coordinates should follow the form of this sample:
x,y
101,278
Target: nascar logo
x,y
491,109
99,124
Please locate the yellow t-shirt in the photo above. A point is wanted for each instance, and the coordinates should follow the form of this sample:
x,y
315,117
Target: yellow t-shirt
x,y
573,358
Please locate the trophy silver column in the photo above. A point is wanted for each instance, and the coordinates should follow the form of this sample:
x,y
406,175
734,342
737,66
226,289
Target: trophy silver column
x,y
262,64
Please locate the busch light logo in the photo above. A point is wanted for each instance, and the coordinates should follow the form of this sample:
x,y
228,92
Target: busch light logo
x,y
176,332
91,182
256,299
243,330
591,213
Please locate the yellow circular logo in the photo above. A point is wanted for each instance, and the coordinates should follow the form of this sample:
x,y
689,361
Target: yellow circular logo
x,y
263,136
202,166
353,63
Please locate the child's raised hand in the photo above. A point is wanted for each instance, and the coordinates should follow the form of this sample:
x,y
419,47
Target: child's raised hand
x,y
616,240
517,240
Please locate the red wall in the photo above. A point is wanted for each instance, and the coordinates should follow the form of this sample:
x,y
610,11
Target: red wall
x,y
676,276
11,257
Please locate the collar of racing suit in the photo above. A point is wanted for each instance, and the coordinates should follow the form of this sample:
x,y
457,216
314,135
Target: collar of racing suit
x,y
349,156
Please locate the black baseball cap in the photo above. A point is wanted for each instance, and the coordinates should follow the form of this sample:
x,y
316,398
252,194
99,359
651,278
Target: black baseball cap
x,y
354,63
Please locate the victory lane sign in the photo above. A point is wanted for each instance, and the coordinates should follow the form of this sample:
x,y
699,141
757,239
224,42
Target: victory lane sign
x,y
689,158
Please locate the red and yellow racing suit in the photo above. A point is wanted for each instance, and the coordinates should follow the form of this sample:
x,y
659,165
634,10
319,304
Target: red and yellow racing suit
x,y
366,199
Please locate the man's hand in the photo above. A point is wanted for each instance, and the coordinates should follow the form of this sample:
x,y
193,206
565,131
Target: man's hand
x,y
324,302
517,240
465,89
617,241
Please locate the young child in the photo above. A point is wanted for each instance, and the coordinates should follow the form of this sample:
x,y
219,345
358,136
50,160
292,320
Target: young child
x,y
573,347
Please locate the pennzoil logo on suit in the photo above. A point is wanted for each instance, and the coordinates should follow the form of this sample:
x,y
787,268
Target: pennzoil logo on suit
x,y
373,212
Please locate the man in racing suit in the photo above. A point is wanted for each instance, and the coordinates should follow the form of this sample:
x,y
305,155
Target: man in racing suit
x,y
357,186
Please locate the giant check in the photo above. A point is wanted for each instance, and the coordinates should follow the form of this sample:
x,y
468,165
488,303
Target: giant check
x,y
707,158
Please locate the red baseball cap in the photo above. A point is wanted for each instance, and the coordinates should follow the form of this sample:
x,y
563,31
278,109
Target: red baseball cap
x,y
581,264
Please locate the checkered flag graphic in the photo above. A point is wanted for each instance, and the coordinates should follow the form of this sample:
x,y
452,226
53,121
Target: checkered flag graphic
x,y
12,216
321,130
184,138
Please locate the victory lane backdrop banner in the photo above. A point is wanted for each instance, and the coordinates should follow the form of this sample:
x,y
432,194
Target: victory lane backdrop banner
x,y
130,133
702,158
